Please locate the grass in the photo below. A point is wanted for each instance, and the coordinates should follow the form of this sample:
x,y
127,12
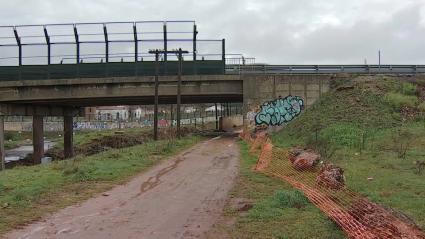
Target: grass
x,y
279,211
28,193
363,128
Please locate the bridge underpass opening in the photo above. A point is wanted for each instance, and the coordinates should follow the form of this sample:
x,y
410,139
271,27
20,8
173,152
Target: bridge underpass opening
x,y
201,117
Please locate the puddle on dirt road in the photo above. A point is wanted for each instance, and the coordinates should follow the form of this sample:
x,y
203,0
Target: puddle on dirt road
x,y
156,180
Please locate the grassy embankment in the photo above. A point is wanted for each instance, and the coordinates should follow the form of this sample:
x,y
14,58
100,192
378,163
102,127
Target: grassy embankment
x,y
373,129
28,193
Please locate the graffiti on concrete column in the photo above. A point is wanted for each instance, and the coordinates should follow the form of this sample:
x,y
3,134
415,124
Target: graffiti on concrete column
x,y
279,111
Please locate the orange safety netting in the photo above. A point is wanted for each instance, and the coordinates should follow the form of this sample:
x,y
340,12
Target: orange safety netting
x,y
356,215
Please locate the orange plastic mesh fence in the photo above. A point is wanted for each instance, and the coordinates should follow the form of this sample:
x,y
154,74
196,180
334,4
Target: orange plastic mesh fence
x,y
356,215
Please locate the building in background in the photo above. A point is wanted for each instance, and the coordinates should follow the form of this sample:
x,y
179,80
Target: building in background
x,y
90,113
108,113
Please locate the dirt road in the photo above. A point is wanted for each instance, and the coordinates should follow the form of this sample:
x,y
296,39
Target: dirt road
x,y
180,198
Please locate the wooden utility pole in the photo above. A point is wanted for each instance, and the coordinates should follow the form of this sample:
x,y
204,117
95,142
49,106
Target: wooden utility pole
x,y
179,54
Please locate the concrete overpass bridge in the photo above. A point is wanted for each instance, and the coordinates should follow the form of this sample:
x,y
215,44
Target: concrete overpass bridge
x,y
59,89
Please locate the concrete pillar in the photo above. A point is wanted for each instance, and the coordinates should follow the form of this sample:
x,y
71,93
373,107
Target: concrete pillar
x,y
305,92
68,133
2,152
37,139
216,117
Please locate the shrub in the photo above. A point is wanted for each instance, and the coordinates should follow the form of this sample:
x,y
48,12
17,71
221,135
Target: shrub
x,y
275,206
408,88
10,135
402,140
421,106
397,100
290,199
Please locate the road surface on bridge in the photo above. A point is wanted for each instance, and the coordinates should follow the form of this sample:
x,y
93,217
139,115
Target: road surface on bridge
x,y
179,198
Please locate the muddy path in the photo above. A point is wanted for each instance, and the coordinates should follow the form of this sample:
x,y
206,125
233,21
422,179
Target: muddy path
x,y
179,198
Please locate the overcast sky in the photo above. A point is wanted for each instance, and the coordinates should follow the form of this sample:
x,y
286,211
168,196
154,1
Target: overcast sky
x,y
272,31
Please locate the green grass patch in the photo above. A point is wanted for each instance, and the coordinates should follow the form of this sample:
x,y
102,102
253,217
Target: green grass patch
x,y
28,193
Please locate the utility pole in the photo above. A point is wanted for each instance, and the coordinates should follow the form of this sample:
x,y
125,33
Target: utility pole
x,y
379,60
179,54
155,111
179,85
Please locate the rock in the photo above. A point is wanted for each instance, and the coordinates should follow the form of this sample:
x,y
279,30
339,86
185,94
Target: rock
x,y
305,161
241,204
331,176
293,153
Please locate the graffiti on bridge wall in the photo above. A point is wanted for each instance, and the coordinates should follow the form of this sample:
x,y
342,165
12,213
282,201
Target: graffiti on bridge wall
x,y
279,111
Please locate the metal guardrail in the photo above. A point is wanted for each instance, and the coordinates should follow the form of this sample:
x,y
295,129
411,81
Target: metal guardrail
x,y
324,69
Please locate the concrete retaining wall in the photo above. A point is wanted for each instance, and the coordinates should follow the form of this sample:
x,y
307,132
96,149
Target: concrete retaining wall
x,y
262,88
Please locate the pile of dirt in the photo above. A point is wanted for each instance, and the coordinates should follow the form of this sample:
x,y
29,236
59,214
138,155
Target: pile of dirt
x,y
331,176
409,113
117,141
113,141
303,159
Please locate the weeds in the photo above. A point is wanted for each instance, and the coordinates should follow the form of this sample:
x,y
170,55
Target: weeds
x,y
398,100
402,140
420,166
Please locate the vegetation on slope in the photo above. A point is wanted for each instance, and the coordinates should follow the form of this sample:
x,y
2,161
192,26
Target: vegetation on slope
x,y
375,129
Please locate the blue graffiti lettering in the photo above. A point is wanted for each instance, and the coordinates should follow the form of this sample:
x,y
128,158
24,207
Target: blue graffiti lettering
x,y
279,111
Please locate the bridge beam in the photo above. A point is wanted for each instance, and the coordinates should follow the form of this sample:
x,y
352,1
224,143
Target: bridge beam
x,y
31,110
37,138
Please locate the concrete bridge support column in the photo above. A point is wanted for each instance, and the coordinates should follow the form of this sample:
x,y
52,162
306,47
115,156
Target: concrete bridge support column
x,y
2,152
216,117
68,128
37,138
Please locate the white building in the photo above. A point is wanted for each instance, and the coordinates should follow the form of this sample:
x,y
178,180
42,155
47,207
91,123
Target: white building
x,y
112,113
